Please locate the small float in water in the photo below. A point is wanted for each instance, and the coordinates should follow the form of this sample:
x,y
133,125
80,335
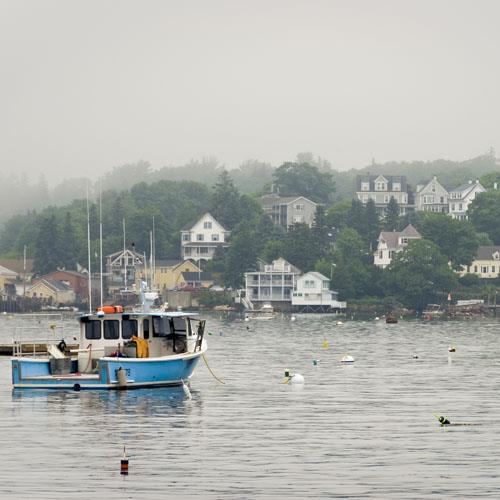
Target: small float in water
x,y
347,359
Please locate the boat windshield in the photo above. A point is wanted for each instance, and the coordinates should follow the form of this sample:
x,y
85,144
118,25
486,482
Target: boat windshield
x,y
161,327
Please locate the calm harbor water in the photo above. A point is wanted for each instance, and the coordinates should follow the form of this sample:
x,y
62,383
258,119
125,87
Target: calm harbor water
x,y
360,431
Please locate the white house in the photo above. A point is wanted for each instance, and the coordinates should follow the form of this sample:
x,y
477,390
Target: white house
x,y
486,263
431,196
312,294
289,210
462,197
273,282
201,239
391,242
380,189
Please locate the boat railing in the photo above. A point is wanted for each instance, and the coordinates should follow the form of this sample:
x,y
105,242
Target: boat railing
x,y
33,340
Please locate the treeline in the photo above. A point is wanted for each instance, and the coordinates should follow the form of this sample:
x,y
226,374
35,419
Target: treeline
x,y
19,194
340,244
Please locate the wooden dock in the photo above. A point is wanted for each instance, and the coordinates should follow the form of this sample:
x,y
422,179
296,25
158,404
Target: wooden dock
x,y
29,349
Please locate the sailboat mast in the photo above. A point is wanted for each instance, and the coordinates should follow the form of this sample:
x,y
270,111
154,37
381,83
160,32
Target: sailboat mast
x,y
100,238
88,250
124,256
154,256
151,259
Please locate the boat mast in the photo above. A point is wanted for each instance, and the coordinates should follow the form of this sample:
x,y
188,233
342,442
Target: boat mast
x,y
151,259
154,256
124,257
100,237
88,250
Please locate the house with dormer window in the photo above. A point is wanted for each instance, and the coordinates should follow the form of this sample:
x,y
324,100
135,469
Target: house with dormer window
x,y
431,196
486,264
392,242
200,239
461,197
380,189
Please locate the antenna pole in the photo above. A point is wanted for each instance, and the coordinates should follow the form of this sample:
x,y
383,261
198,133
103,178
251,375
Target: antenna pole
x,y
100,237
88,250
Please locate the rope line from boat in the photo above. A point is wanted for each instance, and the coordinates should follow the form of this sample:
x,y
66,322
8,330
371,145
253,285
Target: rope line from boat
x,y
211,371
89,362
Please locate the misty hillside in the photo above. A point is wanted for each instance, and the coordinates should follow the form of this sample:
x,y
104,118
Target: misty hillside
x,y
20,194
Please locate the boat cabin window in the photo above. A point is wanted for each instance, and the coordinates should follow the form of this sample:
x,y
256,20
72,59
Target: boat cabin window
x,y
160,326
93,329
178,325
111,329
129,328
145,328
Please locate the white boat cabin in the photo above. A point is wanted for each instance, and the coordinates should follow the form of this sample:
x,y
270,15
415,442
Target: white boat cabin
x,y
137,335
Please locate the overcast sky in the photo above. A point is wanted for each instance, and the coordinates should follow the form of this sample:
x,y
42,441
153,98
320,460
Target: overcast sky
x,y
89,85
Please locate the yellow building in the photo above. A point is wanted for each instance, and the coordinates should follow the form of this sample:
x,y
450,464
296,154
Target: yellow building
x,y
486,264
168,273
52,292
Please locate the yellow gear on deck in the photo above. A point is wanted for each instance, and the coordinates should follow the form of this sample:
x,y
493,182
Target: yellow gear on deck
x,y
142,347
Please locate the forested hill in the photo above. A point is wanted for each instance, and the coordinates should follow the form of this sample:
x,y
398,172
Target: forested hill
x,y
19,194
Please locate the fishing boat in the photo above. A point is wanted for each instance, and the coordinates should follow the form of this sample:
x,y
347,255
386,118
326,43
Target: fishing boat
x,y
117,350
265,312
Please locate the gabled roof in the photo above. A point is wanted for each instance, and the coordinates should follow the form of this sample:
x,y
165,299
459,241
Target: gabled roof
x,y
486,252
464,189
55,285
316,275
17,265
72,273
391,179
392,237
272,199
190,225
7,272
410,232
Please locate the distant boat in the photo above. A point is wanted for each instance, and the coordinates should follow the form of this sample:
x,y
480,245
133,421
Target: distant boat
x,y
391,319
265,312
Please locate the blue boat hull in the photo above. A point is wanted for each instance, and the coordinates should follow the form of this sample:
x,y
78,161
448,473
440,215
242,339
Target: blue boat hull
x,y
32,373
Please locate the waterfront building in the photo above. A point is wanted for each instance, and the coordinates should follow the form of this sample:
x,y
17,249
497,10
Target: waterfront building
x,y
52,292
461,197
289,210
7,281
391,242
381,188
168,273
486,263
273,282
431,196
78,282
312,294
200,240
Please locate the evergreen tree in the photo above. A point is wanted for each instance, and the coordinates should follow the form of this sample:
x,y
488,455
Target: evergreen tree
x,y
68,250
47,246
391,222
356,218
372,223
225,203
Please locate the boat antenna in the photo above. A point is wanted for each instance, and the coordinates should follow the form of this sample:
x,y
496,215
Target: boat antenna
x,y
88,250
100,237
151,258
154,256
124,257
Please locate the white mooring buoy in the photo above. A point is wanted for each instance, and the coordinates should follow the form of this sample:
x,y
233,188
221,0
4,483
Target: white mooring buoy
x,y
347,359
